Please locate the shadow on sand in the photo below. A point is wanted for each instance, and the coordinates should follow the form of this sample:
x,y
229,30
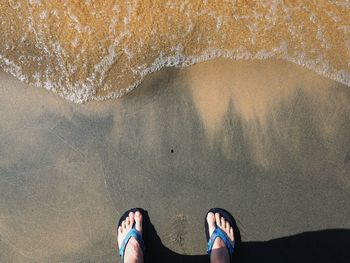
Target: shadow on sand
x,y
320,246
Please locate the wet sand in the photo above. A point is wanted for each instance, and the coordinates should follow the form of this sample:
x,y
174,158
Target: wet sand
x,y
269,141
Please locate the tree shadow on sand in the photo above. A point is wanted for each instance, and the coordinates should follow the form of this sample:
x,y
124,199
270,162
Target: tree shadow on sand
x,y
319,246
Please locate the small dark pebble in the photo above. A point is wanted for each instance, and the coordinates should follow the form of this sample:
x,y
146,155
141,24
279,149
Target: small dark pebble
x,y
172,151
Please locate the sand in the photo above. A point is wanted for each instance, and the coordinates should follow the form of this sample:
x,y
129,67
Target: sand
x,y
268,141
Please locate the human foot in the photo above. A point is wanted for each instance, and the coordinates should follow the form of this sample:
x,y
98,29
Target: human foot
x,y
131,250
220,249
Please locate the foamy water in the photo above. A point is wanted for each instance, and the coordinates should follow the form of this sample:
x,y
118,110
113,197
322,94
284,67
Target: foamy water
x,y
95,50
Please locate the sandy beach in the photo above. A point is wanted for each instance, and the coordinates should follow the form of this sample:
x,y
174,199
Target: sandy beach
x,y
267,140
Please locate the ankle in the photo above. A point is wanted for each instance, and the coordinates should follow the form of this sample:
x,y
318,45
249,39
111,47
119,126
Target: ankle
x,y
219,255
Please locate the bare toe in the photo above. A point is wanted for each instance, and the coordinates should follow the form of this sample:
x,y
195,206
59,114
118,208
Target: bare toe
x,y
211,222
227,227
223,223
138,221
132,218
217,219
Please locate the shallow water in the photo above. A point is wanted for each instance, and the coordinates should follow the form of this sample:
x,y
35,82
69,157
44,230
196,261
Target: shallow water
x,y
94,50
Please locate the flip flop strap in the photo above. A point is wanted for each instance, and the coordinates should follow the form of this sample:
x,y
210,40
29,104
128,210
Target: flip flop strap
x,y
219,233
132,233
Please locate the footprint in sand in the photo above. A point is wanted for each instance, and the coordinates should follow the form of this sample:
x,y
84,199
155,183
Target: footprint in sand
x,y
176,233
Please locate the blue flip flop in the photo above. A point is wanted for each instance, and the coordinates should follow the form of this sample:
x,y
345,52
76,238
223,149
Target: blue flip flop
x,y
219,233
132,233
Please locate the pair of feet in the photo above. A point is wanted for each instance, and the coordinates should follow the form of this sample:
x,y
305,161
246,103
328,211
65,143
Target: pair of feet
x,y
133,252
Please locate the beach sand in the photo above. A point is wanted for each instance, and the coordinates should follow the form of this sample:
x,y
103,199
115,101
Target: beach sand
x,y
267,140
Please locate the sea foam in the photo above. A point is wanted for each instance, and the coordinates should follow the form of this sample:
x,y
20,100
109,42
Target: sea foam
x,y
96,50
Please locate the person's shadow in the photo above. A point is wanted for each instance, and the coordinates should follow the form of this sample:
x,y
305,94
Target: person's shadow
x,y
331,245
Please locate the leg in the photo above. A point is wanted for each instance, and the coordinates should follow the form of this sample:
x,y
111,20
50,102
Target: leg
x,y
219,252
133,251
